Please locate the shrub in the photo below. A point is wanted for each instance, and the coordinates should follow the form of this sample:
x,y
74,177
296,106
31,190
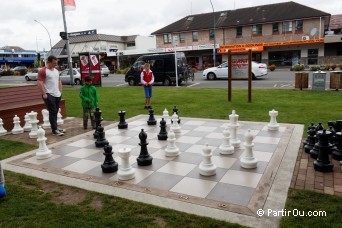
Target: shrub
x,y
333,66
298,67
272,67
315,68
326,67
122,71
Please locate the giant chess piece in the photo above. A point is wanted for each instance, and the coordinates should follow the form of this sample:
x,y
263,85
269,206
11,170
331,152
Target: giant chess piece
x,y
310,141
27,126
206,167
43,152
144,158
109,165
323,164
151,120
336,125
175,126
233,126
126,172
247,159
337,151
311,126
122,123
98,119
101,140
226,147
17,129
175,110
34,122
315,149
163,133
167,117
3,131
60,120
46,122
171,149
273,125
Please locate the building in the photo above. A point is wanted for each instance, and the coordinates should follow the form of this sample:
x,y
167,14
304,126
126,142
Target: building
x,y
333,41
283,34
13,56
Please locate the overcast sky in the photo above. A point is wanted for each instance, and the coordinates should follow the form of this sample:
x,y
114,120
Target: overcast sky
x,y
112,17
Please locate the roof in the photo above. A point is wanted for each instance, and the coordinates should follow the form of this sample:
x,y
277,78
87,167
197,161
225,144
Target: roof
x,y
96,37
244,16
16,48
335,22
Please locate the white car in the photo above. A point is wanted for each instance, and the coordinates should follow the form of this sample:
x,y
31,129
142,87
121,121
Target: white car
x,y
65,76
104,70
258,70
32,76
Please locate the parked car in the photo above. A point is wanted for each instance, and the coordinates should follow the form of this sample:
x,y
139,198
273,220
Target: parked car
x,y
65,76
258,70
32,76
104,71
19,68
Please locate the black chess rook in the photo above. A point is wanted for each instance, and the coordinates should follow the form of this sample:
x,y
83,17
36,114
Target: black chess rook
x,y
163,133
144,158
122,124
323,164
109,165
101,140
151,120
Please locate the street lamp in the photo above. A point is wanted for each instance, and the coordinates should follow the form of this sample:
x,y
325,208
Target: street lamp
x,y
46,31
214,49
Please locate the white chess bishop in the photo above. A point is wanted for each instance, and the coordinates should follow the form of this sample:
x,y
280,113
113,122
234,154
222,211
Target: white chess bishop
x,y
171,149
33,122
3,131
43,152
46,122
206,167
247,159
226,147
175,126
233,126
125,172
17,129
273,125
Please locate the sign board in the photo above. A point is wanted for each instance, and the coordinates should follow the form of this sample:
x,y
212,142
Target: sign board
x,y
239,66
90,66
82,33
318,80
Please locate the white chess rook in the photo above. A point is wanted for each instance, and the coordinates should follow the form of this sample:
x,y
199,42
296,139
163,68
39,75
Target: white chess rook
x,y
247,159
33,122
206,167
273,125
167,117
46,122
233,126
27,126
171,149
60,120
226,147
125,172
17,129
175,126
43,152
3,131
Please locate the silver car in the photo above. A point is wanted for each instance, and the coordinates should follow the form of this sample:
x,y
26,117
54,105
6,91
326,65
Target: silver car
x,y
65,76
32,76
104,71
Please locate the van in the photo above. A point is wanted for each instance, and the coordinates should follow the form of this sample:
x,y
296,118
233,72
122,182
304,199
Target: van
x,y
162,66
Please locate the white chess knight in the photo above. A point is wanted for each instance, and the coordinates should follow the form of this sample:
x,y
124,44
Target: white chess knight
x,y
247,159
171,149
175,126
60,120
125,172
233,126
33,122
27,126
273,125
43,152
17,129
46,122
226,147
206,167
167,117
3,131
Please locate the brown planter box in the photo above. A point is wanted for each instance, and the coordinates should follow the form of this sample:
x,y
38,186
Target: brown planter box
x,y
301,80
336,80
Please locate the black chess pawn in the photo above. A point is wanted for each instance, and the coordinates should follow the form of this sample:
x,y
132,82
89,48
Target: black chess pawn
x,y
151,120
337,150
336,125
122,124
319,127
310,142
163,133
101,140
144,158
323,164
98,119
109,165
175,110
311,126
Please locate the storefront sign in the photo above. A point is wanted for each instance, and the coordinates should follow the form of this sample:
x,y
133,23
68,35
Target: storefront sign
x,y
82,33
205,46
184,48
242,47
294,42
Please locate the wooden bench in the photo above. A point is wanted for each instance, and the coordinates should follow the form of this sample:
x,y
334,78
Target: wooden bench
x,y
20,100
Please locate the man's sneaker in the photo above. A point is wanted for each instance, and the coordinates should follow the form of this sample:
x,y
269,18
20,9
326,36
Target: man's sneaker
x,y
57,132
61,130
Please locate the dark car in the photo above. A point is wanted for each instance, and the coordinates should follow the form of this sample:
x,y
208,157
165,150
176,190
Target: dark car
x,y
163,68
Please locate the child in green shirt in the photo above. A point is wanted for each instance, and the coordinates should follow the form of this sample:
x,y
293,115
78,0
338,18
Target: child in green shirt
x,y
2,183
89,97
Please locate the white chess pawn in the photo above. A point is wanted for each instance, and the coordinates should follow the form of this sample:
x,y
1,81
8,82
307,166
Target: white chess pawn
x,y
273,125
27,126
17,129
125,172
206,167
43,152
233,126
171,149
60,120
167,117
175,126
247,159
46,122
226,147
33,122
3,131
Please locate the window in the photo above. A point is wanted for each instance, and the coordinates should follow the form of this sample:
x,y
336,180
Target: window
x,y
312,56
275,28
194,36
299,26
131,44
239,31
287,27
182,37
257,29
211,34
167,38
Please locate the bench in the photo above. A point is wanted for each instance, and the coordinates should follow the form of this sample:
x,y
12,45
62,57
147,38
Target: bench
x,y
20,100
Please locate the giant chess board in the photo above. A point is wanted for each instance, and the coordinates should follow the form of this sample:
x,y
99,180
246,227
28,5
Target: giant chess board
x,y
175,182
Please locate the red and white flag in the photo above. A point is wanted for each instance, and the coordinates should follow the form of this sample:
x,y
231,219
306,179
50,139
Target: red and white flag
x,y
69,5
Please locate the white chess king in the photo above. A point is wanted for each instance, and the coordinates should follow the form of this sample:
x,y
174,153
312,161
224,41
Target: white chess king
x,y
233,126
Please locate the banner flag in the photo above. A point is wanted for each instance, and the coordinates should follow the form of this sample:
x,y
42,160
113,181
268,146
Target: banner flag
x,y
69,5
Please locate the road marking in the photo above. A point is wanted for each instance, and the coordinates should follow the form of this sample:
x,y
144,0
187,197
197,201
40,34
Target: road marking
x,y
194,84
121,84
275,85
287,85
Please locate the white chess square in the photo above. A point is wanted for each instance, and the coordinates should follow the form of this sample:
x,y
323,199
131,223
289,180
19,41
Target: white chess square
x,y
117,139
241,178
198,148
177,168
157,143
215,135
205,129
83,153
34,160
265,139
194,187
137,122
262,156
116,147
281,128
139,175
160,154
223,162
82,143
188,139
113,131
194,122
82,166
